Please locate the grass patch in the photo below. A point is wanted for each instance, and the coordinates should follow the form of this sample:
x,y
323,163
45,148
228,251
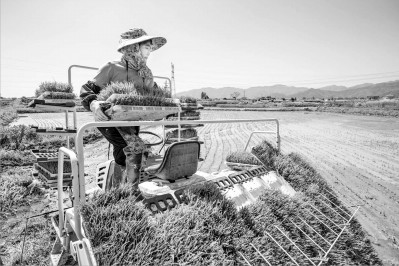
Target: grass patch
x,y
8,114
17,185
9,158
23,138
40,237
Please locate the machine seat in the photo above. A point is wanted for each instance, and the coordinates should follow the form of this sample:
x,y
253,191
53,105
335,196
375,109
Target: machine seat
x,y
180,160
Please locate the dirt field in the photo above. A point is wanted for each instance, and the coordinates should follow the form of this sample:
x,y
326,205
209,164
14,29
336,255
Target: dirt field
x,y
357,155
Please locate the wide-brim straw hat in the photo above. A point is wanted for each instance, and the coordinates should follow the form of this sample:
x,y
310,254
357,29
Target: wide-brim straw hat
x,y
133,36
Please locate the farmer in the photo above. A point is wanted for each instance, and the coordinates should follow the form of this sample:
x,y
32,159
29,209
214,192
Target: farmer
x,y
135,46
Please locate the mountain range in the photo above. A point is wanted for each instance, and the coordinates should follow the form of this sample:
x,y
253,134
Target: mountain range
x,y
280,91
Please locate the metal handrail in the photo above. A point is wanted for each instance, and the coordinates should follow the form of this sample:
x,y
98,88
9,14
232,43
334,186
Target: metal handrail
x,y
75,183
78,66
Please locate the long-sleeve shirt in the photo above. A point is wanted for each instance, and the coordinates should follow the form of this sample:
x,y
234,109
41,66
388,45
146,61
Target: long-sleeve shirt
x,y
115,71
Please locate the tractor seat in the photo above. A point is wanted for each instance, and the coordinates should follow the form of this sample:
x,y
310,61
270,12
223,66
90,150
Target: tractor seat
x,y
180,160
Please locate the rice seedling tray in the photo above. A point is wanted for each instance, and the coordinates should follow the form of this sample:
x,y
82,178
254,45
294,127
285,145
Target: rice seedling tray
x,y
52,102
67,182
52,131
46,155
173,140
185,126
240,166
189,105
187,114
49,169
184,118
37,127
189,108
140,113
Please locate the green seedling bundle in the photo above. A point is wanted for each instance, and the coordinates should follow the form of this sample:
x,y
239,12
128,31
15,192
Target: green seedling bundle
x,y
207,229
185,134
132,91
243,158
53,86
186,99
58,95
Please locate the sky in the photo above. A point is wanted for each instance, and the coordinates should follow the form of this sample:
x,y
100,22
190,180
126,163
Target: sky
x,y
212,43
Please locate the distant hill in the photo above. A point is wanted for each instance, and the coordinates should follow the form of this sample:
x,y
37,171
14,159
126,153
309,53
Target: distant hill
x,y
279,91
253,92
333,88
364,90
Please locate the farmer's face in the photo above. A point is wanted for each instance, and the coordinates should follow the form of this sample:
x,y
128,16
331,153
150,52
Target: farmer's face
x,y
145,49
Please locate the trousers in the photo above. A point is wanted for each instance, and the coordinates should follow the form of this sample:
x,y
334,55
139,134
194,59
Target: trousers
x,y
118,143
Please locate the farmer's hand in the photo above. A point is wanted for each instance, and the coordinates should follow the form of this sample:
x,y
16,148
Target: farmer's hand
x,y
98,113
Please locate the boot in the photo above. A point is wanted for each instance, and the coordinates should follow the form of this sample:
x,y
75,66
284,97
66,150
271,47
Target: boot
x,y
133,165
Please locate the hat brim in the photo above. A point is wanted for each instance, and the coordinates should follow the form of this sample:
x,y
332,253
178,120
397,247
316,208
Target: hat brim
x,y
157,42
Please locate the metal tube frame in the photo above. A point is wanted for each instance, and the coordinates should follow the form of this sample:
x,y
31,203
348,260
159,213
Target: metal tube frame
x,y
277,132
78,184
75,183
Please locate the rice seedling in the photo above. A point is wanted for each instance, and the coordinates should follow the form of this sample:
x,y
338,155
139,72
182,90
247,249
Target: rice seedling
x,y
126,94
187,133
190,114
187,99
139,100
58,95
208,230
353,247
53,86
129,88
203,232
7,115
242,157
266,153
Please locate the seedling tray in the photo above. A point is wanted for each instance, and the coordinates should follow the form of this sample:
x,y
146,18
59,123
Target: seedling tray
x,y
52,103
184,118
49,169
173,140
140,113
240,166
67,182
189,105
46,155
55,131
185,126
